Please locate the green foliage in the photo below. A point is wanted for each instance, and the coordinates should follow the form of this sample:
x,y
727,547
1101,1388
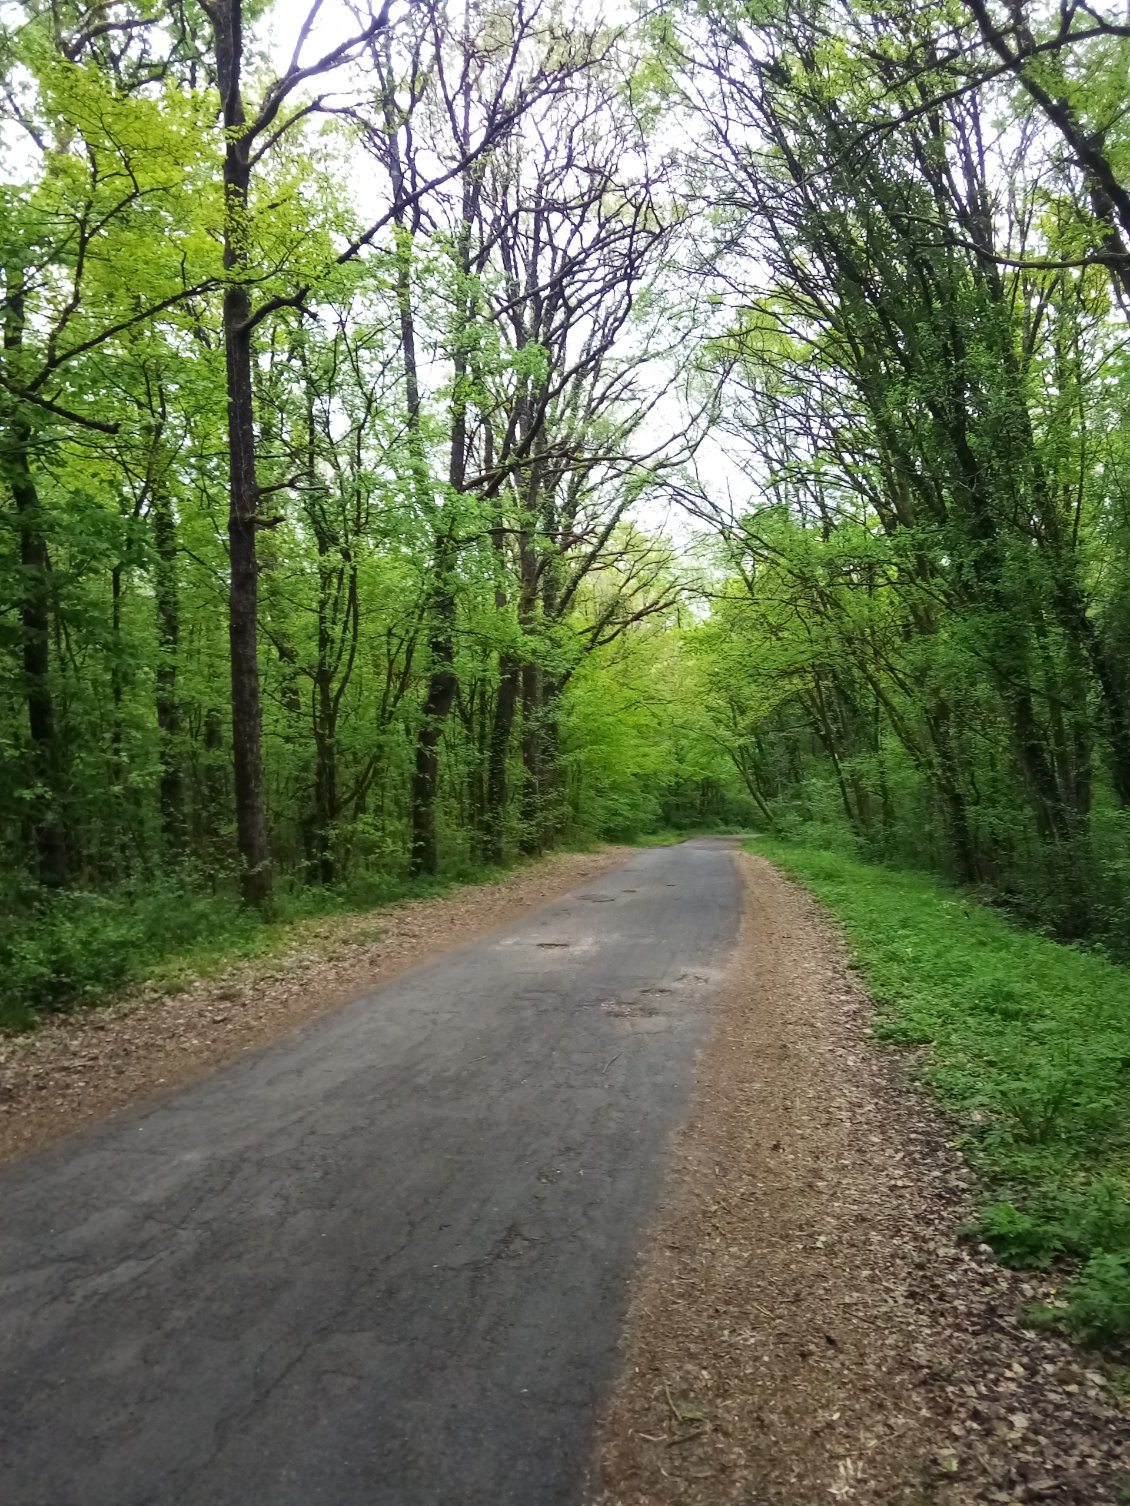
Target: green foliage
x,y
1017,1237
1099,1307
445,659
637,747
74,947
61,951
671,837
1027,1043
919,648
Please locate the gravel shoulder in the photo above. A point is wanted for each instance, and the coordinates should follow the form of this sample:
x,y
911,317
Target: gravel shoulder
x,y
807,1325
79,1067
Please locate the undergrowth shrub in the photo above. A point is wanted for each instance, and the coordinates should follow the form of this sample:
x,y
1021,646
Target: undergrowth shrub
x,y
1098,1309
1018,1238
59,950
63,949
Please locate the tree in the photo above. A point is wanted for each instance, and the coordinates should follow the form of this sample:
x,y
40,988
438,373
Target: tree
x,y
911,394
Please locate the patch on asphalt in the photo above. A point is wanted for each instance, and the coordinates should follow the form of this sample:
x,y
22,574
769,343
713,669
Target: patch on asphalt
x,y
584,943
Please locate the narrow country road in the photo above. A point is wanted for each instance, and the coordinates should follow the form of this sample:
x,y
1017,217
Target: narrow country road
x,y
384,1262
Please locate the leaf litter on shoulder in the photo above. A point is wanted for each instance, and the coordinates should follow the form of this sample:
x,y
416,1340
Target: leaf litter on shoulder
x,y
806,1323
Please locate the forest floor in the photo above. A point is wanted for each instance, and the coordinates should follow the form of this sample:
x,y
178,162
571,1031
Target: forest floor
x,y
807,1324
77,1067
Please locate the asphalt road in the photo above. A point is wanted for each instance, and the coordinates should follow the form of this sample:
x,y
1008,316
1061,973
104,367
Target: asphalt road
x,y
385,1261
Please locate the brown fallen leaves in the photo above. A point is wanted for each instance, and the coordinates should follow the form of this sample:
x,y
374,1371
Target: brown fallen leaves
x,y
78,1067
806,1326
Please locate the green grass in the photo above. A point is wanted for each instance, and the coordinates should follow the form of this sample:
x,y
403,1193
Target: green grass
x,y
66,950
1027,1044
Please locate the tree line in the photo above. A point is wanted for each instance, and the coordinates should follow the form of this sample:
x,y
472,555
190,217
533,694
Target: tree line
x,y
430,432
922,640
324,432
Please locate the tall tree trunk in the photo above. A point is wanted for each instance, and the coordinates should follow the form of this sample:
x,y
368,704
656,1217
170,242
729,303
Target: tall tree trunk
x,y
531,839
552,812
243,517
325,724
442,681
498,756
479,722
114,854
497,792
442,686
325,785
46,831
166,601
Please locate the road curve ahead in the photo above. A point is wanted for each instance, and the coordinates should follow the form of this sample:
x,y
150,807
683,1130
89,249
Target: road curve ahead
x,y
385,1261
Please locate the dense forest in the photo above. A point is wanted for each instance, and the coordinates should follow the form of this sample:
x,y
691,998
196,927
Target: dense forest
x,y
434,432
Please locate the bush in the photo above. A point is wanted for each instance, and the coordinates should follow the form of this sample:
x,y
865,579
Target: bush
x,y
1098,1307
63,949
59,950
1016,1237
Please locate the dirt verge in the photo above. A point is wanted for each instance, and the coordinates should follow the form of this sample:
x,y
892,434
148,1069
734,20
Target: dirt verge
x,y
807,1325
80,1066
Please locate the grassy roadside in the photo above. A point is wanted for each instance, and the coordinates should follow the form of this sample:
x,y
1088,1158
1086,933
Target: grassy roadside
x,y
1027,1044
76,948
